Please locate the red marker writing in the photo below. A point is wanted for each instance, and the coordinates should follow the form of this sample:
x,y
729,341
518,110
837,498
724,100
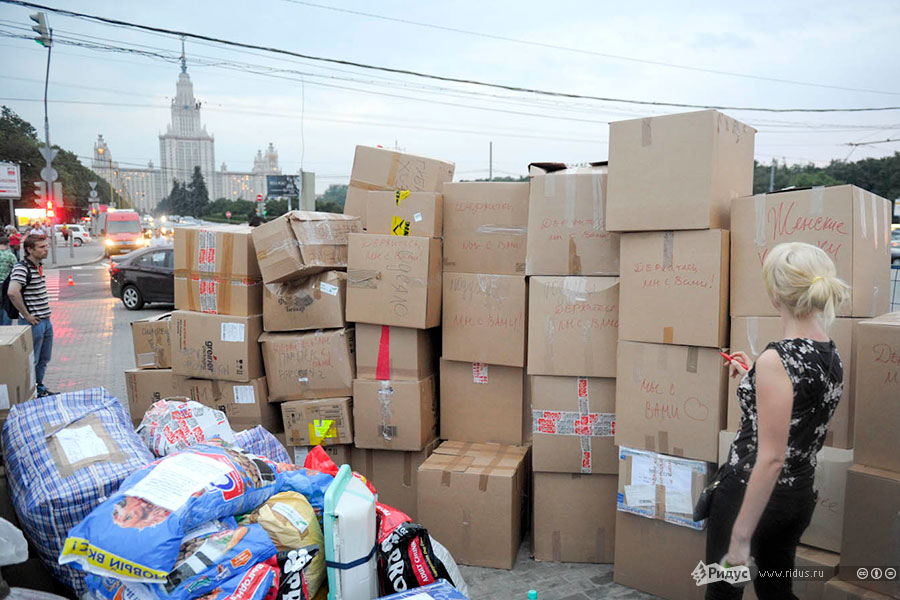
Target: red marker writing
x,y
730,358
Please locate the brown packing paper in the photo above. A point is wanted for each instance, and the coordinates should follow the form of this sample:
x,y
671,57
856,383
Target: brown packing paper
x,y
395,415
677,171
245,404
408,353
152,344
325,421
307,365
394,474
405,213
209,346
314,302
850,224
485,227
484,318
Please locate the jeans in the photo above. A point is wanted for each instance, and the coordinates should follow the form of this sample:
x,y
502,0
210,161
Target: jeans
x,y
42,334
4,318
774,543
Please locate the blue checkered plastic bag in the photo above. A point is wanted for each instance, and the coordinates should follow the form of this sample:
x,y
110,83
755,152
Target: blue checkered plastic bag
x,y
64,455
262,443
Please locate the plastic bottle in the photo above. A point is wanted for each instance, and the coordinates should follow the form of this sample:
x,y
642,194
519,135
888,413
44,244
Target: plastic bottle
x,y
532,594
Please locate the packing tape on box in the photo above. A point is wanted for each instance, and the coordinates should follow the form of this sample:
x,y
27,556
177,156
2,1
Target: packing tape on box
x,y
190,243
407,469
480,373
363,278
817,200
668,335
587,341
264,253
759,210
693,357
549,186
862,214
386,399
646,133
574,267
571,183
556,547
663,437
383,360
668,254
874,218
501,230
752,331
486,472
599,201
886,220
454,462
393,169
637,366
562,422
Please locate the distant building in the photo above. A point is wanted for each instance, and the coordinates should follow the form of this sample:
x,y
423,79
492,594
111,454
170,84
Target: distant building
x,y
185,145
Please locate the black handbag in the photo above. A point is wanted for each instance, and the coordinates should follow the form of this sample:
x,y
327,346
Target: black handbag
x,y
704,501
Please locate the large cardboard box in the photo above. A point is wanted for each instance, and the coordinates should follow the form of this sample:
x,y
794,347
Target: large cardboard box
x,y
642,542
877,380
664,487
216,270
314,302
567,232
837,589
146,386
405,213
820,564
400,353
381,169
339,453
152,343
483,403
485,227
573,326
677,171
326,422
307,365
471,499
302,243
209,346
484,318
670,399
394,474
573,422
394,280
871,528
574,517
825,529
850,224
753,334
245,404
395,415
17,379
674,288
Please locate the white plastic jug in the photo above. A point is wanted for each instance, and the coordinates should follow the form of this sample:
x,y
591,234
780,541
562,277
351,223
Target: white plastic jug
x,y
350,530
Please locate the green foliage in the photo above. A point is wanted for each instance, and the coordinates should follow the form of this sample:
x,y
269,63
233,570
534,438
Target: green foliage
x,y
878,175
198,195
328,206
276,208
335,194
519,179
241,210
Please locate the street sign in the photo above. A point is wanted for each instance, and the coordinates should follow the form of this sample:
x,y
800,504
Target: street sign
x,y
93,194
49,174
10,184
48,153
58,195
282,185
259,198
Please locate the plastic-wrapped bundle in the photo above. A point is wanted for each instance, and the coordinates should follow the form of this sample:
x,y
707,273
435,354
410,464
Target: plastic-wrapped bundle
x,y
64,454
170,425
137,532
259,441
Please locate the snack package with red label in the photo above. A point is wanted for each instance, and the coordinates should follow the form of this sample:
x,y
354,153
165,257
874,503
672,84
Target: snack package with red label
x,y
257,583
407,560
319,460
170,425
136,534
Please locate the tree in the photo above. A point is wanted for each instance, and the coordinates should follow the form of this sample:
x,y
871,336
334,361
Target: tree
x,y
275,208
197,194
336,194
177,202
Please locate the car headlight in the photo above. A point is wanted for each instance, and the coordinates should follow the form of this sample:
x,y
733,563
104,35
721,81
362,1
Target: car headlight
x,y
110,242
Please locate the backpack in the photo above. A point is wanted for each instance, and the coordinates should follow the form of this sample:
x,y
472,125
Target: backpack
x,y
8,307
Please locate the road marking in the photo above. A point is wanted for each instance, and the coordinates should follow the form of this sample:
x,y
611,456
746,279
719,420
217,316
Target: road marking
x,y
52,281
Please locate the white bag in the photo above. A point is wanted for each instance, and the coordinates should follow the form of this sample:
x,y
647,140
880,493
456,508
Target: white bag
x,y
171,425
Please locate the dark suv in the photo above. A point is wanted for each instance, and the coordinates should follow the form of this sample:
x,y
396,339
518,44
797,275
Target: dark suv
x,y
147,275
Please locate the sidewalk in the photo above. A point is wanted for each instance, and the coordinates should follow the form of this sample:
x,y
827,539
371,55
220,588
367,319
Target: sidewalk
x,y
85,254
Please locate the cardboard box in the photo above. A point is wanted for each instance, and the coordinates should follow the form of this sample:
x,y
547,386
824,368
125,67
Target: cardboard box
x,y
245,404
753,334
400,352
146,386
877,380
483,403
663,487
152,343
670,399
677,171
394,281
209,346
825,566
485,227
726,437
326,422
574,517
339,453
302,243
381,169
394,474
314,302
837,589
871,521
850,224
405,213
567,232
484,318
674,288
471,499
308,365
17,370
825,529
573,423
573,326
395,415
216,270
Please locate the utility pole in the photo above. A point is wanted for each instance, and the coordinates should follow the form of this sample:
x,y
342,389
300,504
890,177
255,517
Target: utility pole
x,y
490,161
772,177
48,173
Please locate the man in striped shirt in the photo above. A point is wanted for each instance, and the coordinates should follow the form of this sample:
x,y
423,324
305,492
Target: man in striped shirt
x,y
28,293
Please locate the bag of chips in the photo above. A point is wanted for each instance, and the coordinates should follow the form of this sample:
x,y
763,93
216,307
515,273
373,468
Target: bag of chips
x,y
170,425
409,558
136,534
254,584
295,565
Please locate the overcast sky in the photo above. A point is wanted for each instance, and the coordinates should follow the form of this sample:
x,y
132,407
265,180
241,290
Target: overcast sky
x,y
838,55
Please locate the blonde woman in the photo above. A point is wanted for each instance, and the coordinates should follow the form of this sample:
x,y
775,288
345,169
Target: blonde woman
x,y
765,497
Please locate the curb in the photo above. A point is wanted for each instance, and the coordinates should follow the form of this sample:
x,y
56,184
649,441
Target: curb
x,y
79,264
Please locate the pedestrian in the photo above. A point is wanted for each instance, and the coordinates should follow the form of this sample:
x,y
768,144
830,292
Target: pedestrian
x,y
28,293
14,241
65,233
765,495
157,240
7,262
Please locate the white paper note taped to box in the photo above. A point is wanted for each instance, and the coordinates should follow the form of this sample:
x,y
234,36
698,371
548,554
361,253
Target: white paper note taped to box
x,y
679,501
243,394
233,332
81,443
329,289
640,495
643,471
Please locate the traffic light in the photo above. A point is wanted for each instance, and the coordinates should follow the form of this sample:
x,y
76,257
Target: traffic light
x,y
50,212
40,193
42,29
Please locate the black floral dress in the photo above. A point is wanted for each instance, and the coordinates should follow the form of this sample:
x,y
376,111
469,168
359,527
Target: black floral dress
x,y
817,376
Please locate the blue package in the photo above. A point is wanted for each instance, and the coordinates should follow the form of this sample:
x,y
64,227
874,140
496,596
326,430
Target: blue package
x,y
312,484
137,533
441,590
253,584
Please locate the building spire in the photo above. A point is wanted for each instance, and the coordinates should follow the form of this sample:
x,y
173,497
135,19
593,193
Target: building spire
x,y
183,60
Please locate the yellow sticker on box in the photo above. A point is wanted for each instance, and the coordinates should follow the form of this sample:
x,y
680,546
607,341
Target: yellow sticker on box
x,y
400,195
321,429
399,226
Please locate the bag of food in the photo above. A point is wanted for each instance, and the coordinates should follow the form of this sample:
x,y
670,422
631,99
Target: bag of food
x,y
170,425
295,565
136,534
259,441
312,484
407,559
254,584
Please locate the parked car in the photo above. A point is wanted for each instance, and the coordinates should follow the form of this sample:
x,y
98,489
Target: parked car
x,y
147,275
895,246
77,233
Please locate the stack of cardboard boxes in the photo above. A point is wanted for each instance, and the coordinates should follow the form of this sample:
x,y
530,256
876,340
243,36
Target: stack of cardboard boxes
x,y
573,321
17,370
394,297
153,379
671,183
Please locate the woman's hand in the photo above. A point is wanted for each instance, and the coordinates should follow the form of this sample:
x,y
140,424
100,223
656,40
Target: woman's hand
x,y
735,368
738,553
